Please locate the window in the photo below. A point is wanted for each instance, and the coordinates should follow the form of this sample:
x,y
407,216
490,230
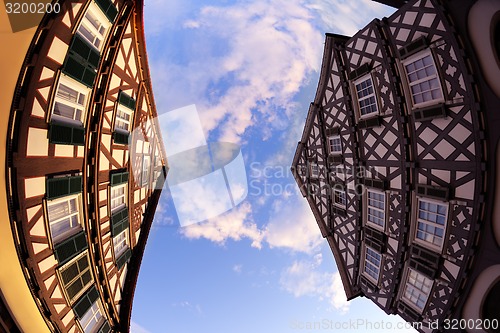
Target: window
x,y
431,223
120,243
92,319
366,96
94,26
335,144
70,101
423,79
373,261
314,170
417,289
76,276
64,217
339,198
375,207
146,165
123,119
118,197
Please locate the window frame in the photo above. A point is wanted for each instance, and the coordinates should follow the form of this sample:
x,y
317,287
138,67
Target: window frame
x,y
81,89
381,260
420,291
330,145
342,193
86,23
66,266
357,81
368,207
125,241
112,198
417,220
99,321
313,166
118,119
79,213
412,59
145,178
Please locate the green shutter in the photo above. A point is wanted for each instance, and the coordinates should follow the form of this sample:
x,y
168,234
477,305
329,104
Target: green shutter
x,y
60,187
85,302
82,61
126,100
108,9
70,247
123,258
121,138
119,178
66,135
119,221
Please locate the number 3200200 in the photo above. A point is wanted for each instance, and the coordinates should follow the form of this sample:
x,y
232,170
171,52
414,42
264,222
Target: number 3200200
x,y
32,8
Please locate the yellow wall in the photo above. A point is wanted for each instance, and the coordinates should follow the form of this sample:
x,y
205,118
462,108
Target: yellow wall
x,y
12,282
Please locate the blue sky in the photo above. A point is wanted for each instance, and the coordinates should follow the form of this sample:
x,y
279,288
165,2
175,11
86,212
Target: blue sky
x,y
251,68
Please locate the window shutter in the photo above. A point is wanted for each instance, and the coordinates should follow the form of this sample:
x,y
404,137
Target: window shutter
x,y
105,328
413,47
375,183
335,159
370,122
332,131
360,71
375,239
119,178
69,248
108,9
423,268
119,221
366,284
433,112
435,192
121,138
82,61
374,245
408,313
126,100
420,253
60,187
123,258
85,302
339,211
66,135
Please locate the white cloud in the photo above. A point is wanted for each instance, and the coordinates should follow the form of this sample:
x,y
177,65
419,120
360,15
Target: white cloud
x,y
305,278
292,226
235,225
136,328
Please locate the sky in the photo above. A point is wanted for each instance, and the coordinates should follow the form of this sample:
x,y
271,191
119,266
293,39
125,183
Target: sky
x,y
245,72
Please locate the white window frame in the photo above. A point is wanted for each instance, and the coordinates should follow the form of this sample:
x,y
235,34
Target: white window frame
x,y
361,99
146,167
374,209
411,60
430,224
80,274
314,170
74,226
98,33
342,195
114,197
121,243
371,264
81,90
334,148
121,121
93,318
417,288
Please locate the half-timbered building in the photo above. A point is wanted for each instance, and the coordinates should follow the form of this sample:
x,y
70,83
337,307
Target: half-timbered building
x,y
84,168
398,162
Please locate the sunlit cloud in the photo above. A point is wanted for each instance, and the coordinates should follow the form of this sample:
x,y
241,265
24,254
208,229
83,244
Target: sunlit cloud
x,y
305,278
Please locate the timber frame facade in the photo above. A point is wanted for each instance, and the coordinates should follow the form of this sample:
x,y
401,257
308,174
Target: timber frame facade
x,y
398,161
85,164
